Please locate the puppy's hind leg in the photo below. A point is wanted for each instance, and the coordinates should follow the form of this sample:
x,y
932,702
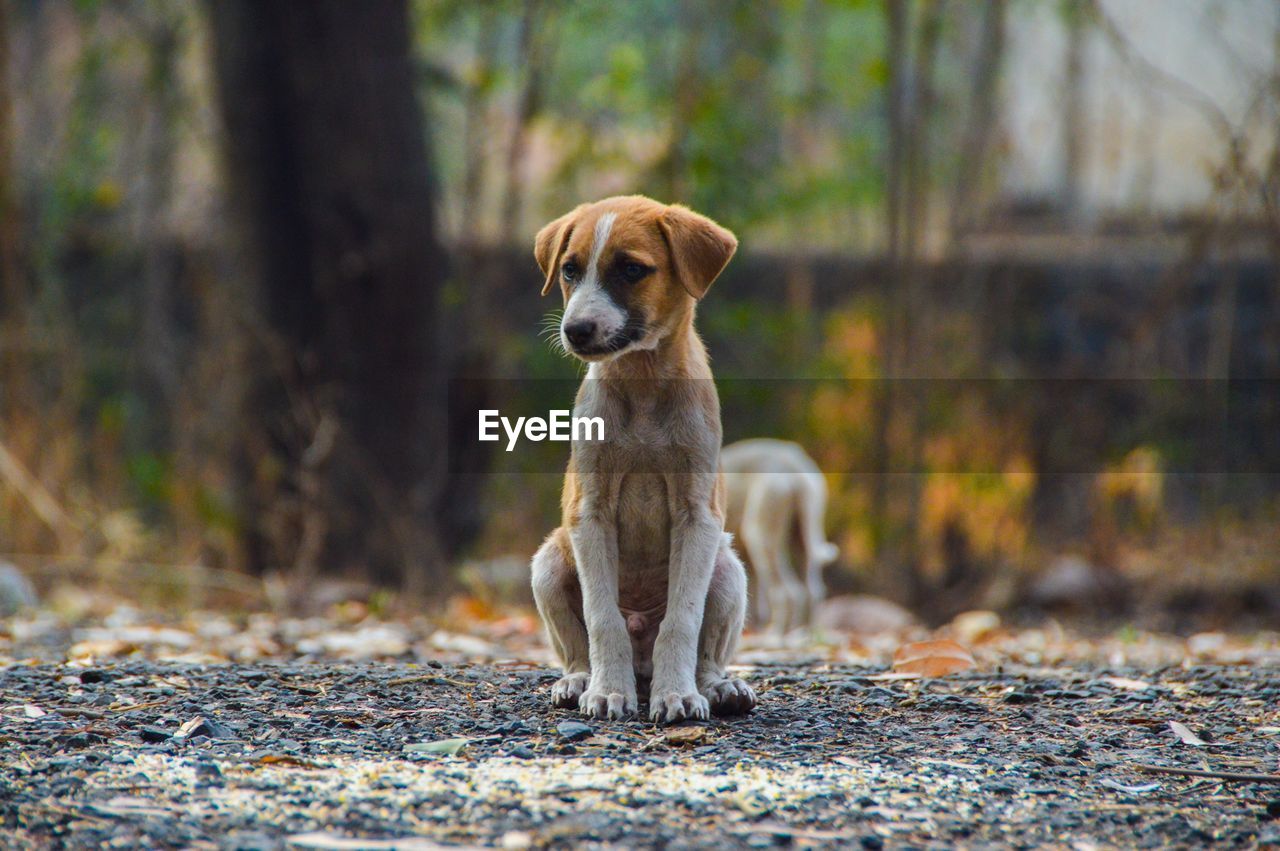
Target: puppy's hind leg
x,y
559,599
721,628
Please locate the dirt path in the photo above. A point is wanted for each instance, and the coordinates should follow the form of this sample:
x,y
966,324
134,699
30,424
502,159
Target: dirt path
x,y
834,755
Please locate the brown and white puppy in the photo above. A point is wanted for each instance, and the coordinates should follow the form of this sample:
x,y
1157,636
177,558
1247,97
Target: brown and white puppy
x,y
640,587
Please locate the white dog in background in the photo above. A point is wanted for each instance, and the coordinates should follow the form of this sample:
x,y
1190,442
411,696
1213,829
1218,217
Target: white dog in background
x,y
777,497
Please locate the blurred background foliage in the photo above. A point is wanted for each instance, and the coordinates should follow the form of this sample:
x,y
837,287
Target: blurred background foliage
x,y
1052,223
768,112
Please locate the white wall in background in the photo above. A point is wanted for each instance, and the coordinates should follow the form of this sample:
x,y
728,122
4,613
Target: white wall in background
x,y
1148,144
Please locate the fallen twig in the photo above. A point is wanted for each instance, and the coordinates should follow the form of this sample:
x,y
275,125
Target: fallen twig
x,y
433,679
134,707
1240,777
76,712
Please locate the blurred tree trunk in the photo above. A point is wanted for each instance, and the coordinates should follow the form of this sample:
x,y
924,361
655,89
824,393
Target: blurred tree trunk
x,y
1074,131
981,121
914,311
330,177
13,290
911,59
476,125
673,166
159,353
22,432
467,331
896,93
532,55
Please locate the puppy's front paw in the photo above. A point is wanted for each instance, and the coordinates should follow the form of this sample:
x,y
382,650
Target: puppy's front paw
x,y
729,696
612,704
568,690
667,707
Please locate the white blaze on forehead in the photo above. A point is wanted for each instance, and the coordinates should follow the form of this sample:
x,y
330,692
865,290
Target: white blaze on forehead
x,y
604,225
589,301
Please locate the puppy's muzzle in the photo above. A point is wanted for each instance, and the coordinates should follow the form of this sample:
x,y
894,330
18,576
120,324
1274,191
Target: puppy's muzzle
x,y
580,334
585,338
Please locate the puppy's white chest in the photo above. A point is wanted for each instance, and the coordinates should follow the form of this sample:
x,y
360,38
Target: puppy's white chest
x,y
644,522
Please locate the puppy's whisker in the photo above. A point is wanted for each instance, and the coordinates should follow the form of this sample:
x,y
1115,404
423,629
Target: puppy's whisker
x,y
549,330
556,341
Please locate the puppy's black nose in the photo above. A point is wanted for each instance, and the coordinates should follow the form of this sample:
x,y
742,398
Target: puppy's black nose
x,y
580,333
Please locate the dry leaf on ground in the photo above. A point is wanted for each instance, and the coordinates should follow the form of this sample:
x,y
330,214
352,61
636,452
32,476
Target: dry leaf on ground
x,y
936,658
972,627
1126,683
676,737
336,842
1183,732
1139,789
686,735
449,747
126,806
188,727
285,759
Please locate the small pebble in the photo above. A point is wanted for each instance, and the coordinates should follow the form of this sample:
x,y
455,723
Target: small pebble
x,y
573,731
516,727
155,734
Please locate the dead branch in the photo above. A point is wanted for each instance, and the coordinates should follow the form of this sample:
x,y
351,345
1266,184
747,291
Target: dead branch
x,y
1182,89
1217,775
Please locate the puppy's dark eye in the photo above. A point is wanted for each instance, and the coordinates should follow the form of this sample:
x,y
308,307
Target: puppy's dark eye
x,y
570,271
634,271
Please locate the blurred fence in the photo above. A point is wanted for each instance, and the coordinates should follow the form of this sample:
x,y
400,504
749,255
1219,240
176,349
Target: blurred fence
x,y
1057,399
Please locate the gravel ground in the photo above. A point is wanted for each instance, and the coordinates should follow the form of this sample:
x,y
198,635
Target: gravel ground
x,y
167,755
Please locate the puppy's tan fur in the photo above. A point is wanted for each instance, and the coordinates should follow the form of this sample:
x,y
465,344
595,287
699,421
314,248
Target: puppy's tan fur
x,y
640,586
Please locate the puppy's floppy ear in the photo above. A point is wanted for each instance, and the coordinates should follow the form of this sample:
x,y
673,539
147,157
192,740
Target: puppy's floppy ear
x,y
700,248
550,242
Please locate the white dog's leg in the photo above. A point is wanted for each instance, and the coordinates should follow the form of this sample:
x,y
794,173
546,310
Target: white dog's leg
x,y
764,535
611,692
721,629
755,542
789,583
559,599
818,551
770,584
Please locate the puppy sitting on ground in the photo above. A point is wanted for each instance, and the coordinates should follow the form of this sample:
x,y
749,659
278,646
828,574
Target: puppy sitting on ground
x,y
777,496
640,589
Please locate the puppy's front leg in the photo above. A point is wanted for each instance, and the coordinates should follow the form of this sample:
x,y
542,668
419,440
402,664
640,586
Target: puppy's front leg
x,y
695,537
612,690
